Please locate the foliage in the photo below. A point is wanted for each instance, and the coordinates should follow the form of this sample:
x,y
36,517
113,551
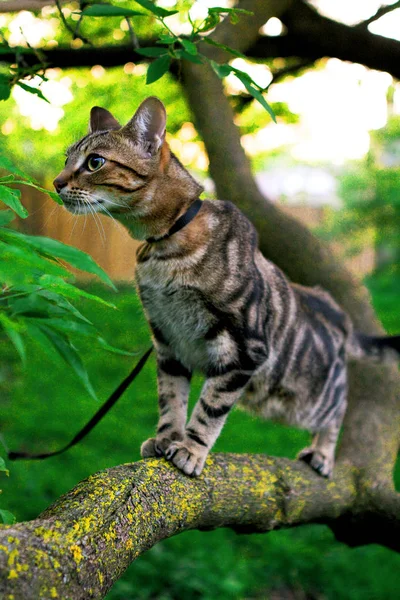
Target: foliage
x,y
42,151
5,516
304,562
170,45
370,191
36,294
36,297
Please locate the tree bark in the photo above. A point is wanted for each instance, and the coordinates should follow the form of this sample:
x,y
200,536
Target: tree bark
x,y
83,543
31,5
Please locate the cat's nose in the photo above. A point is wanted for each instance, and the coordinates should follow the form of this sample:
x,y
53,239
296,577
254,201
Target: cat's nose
x,y
59,183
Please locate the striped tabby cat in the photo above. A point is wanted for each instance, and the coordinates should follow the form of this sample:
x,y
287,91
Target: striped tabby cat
x,y
213,302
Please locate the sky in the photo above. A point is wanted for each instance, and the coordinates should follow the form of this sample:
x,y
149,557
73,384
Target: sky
x,y
338,104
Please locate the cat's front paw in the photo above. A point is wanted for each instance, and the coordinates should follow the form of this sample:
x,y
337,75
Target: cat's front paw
x,y
318,461
187,456
148,448
159,445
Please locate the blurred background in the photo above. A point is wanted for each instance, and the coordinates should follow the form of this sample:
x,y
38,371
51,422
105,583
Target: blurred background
x,y
332,161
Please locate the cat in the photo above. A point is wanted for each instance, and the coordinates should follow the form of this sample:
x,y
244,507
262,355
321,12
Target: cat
x,y
213,302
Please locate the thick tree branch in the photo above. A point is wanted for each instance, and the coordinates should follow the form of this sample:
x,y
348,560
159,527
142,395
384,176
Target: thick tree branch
x,y
313,35
32,5
84,542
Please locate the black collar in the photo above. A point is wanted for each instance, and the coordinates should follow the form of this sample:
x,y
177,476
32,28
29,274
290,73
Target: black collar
x,y
183,220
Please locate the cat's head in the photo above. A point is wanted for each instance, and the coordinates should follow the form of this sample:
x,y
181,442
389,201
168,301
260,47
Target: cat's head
x,y
116,168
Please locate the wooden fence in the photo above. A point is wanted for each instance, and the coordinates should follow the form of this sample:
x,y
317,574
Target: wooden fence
x,y
114,250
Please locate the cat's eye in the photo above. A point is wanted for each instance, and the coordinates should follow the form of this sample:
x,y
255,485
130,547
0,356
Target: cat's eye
x,y
94,162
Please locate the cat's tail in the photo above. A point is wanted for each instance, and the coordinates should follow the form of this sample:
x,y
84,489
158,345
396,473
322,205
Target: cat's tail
x,y
378,349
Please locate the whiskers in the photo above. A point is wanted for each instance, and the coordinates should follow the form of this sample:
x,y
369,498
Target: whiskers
x,y
96,218
88,204
76,219
107,212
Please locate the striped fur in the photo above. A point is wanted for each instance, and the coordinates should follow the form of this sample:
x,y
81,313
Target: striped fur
x,y
214,303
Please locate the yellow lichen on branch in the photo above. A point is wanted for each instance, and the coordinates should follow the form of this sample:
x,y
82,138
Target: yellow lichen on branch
x,y
79,546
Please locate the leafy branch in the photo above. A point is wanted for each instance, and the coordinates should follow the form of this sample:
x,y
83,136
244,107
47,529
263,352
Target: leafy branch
x,y
170,46
37,295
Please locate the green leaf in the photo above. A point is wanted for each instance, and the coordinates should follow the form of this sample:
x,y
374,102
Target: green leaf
x,y
196,59
223,10
7,517
66,325
5,49
167,39
7,179
53,195
157,69
152,51
211,42
68,352
53,248
17,340
253,91
11,198
7,164
5,86
209,23
30,305
189,46
38,336
232,12
221,70
108,10
242,76
58,285
106,346
32,90
156,10
21,265
3,467
63,303
6,216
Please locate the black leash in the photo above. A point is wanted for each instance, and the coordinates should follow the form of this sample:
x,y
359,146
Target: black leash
x,y
103,410
183,220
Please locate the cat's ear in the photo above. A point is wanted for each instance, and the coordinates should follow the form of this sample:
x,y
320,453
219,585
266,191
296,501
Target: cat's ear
x,y
102,120
147,126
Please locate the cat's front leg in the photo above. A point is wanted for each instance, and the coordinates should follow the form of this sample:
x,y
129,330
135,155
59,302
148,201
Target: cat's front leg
x,y
173,391
218,396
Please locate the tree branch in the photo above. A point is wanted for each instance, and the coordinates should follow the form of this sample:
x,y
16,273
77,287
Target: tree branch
x,y
32,5
383,10
312,35
66,57
84,542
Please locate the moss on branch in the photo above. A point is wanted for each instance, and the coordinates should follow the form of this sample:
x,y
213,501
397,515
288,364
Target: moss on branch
x,y
83,543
